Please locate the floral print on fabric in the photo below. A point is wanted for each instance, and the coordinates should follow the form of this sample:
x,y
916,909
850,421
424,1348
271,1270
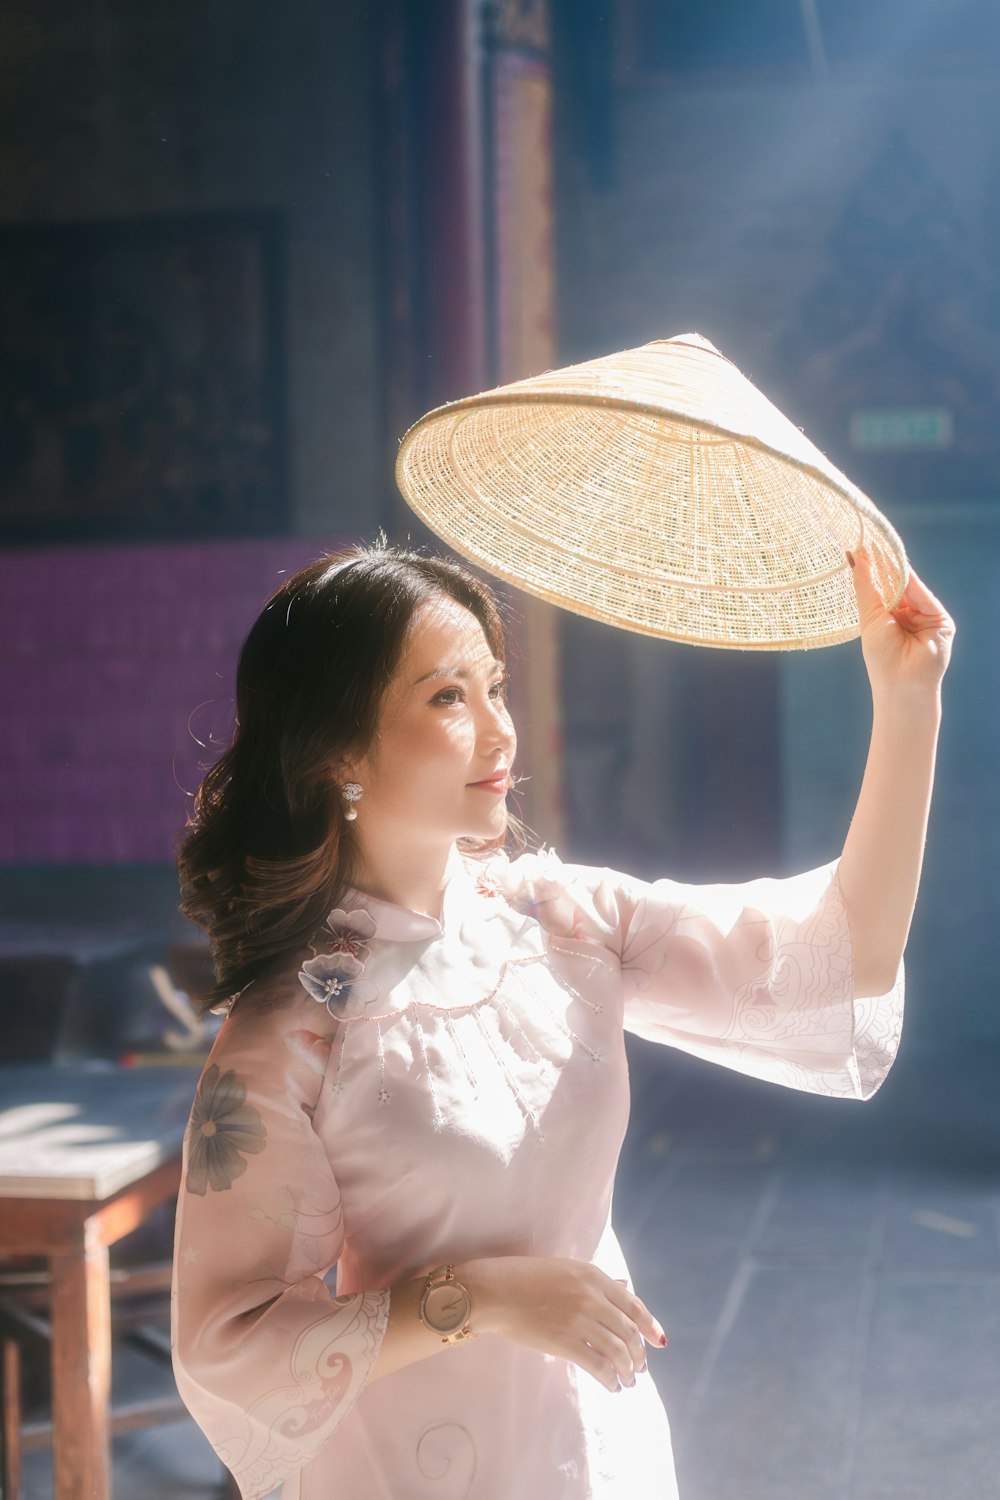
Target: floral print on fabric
x,y
222,1131
350,932
311,1392
540,891
334,978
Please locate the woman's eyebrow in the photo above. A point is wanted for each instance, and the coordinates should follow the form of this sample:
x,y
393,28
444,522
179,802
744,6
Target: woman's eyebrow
x,y
498,666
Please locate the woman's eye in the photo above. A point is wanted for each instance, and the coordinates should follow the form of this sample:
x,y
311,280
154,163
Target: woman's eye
x,y
447,697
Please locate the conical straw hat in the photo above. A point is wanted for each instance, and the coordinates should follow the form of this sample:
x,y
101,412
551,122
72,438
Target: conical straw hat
x,y
656,489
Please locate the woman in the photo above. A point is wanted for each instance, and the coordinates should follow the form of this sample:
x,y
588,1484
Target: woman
x,y
420,1089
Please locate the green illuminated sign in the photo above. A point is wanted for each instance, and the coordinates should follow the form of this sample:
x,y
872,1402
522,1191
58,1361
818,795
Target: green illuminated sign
x,y
903,427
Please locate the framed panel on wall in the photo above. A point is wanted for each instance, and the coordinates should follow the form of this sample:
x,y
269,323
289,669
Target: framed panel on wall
x,y
142,385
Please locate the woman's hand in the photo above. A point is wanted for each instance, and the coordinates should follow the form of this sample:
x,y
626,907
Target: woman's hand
x,y
564,1307
908,647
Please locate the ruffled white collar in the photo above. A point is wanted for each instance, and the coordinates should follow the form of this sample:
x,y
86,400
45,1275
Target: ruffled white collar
x,y
399,924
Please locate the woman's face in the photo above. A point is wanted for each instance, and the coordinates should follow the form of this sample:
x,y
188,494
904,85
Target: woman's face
x,y
439,768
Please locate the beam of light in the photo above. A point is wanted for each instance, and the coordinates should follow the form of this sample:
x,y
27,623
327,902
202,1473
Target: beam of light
x,y
836,111
814,38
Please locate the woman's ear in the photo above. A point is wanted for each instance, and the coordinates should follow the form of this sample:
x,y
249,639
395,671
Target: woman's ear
x,y
350,768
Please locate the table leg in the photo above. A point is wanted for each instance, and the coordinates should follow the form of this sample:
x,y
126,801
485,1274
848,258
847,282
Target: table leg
x,y
10,1403
81,1371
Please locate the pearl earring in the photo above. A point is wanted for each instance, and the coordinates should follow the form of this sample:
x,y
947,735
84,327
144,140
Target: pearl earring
x,y
351,793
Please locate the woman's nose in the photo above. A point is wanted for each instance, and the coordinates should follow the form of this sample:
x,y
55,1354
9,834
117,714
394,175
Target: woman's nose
x,y
498,727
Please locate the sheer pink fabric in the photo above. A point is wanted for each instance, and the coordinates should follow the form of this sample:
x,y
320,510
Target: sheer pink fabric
x,y
415,1091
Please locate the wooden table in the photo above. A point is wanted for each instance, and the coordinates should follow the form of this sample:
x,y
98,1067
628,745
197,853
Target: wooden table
x,y
85,1153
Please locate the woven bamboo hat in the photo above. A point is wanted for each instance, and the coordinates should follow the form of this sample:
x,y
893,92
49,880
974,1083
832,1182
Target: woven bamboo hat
x,y
656,489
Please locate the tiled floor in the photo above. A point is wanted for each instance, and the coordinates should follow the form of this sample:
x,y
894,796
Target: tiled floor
x,y
828,1273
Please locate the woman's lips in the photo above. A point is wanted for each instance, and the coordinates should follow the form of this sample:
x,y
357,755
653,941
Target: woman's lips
x,y
498,784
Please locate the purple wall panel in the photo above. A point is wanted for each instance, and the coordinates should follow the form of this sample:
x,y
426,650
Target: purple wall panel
x,y
112,660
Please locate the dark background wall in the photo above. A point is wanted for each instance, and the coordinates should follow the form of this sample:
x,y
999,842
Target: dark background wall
x,y
110,109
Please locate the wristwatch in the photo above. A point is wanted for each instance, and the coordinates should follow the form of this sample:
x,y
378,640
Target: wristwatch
x,y
445,1306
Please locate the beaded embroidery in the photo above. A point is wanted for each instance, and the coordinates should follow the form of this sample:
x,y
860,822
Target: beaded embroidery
x,y
335,977
477,1010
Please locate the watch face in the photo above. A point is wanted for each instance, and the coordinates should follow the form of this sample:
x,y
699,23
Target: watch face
x,y
447,1307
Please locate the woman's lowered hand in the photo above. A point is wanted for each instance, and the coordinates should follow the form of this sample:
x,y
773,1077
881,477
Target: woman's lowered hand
x,y
565,1307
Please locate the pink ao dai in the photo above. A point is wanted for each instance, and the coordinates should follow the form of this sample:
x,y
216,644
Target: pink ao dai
x,y
412,1092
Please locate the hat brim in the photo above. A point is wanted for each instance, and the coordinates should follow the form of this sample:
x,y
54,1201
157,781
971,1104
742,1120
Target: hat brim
x,y
714,525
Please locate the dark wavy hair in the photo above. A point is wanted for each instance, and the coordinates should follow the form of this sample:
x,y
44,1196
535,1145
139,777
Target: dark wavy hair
x,y
267,852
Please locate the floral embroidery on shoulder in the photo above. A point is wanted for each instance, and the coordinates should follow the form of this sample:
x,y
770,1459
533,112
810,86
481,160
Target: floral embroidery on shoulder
x,y
334,977
350,932
222,1130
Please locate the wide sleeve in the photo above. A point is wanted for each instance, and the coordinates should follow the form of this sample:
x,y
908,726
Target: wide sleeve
x,y
756,976
267,1361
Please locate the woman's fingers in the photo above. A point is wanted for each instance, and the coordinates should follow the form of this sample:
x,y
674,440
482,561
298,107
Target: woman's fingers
x,y
871,605
636,1309
619,1364
621,1341
916,596
616,1336
595,1364
920,598
571,1308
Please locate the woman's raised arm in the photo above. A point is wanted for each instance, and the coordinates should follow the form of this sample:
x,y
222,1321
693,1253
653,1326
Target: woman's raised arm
x,y
906,653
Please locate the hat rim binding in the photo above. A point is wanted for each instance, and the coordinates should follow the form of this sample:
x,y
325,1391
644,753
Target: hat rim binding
x,y
633,627
521,394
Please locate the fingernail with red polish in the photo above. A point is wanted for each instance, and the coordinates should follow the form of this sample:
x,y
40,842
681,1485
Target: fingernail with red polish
x,y
663,1340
